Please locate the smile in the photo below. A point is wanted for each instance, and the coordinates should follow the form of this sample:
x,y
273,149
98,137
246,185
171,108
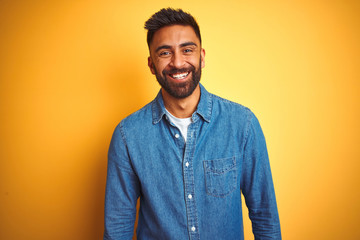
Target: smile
x,y
179,76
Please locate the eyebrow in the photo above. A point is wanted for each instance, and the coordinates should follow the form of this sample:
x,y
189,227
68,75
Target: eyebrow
x,y
162,47
185,44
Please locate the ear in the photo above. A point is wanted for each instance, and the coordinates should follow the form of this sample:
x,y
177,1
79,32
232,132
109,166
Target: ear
x,y
202,54
151,65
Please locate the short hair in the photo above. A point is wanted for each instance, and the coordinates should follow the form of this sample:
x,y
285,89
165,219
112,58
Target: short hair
x,y
169,17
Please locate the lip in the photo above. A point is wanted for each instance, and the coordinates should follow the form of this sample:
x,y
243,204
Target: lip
x,y
181,79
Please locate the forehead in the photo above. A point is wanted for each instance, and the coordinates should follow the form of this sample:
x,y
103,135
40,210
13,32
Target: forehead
x,y
173,36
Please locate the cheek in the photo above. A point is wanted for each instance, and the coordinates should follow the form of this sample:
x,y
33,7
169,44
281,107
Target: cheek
x,y
160,64
195,61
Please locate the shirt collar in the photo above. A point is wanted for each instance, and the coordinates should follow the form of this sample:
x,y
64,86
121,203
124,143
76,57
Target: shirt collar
x,y
204,107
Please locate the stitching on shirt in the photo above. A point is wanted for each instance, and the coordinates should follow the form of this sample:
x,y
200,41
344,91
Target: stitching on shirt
x,y
250,117
249,120
123,137
223,170
228,101
210,190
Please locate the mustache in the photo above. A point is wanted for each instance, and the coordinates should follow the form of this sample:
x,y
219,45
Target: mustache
x,y
178,70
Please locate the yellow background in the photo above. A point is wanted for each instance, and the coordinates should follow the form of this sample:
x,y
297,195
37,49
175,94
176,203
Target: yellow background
x,y
71,70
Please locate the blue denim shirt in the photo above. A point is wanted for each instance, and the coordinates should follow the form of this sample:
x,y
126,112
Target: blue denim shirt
x,y
192,190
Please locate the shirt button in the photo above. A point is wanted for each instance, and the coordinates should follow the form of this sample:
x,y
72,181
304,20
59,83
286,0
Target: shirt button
x,y
187,164
193,229
177,135
189,196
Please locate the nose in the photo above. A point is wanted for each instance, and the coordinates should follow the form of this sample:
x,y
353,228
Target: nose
x,y
177,60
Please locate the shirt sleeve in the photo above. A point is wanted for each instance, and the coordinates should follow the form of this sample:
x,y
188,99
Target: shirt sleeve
x,y
122,190
257,185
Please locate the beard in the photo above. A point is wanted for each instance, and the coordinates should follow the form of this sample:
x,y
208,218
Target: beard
x,y
179,90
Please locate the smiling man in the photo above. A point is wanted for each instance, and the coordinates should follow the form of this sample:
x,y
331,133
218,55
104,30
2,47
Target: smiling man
x,y
188,154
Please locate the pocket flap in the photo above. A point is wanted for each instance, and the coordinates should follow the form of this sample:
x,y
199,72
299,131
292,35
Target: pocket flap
x,y
220,165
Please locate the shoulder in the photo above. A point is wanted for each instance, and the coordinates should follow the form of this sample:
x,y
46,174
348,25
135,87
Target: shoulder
x,y
229,108
137,120
139,115
236,115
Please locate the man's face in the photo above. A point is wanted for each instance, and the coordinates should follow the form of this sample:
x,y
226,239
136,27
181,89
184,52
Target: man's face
x,y
176,59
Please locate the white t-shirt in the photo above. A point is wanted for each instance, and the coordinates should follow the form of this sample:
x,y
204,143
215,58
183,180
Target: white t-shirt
x,y
181,123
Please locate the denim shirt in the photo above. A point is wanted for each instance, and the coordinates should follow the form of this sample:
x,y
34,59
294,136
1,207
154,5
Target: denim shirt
x,y
193,190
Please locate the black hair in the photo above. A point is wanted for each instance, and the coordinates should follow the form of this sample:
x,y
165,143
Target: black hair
x,y
168,17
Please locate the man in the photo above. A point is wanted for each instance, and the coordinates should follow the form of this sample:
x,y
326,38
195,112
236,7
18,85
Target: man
x,y
188,154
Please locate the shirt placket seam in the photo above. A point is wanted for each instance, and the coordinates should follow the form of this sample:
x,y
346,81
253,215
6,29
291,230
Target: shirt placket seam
x,y
189,184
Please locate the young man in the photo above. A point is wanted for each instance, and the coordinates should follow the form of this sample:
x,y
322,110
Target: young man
x,y
188,154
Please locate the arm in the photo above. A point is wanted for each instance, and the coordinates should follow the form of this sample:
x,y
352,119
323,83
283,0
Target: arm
x,y
257,185
122,190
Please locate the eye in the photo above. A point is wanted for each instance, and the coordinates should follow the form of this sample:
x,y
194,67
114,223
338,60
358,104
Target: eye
x,y
188,50
164,53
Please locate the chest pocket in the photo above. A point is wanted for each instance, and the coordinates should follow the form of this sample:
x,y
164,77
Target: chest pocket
x,y
220,176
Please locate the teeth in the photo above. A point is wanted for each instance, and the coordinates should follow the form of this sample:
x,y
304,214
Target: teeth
x,y
180,75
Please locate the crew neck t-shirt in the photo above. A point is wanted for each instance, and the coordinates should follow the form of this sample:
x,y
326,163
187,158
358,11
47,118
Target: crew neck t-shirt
x,y
181,123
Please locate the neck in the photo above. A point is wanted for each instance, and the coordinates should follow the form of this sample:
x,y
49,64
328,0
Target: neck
x,y
184,107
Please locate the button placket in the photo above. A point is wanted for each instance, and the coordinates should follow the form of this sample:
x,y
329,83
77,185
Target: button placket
x,y
189,181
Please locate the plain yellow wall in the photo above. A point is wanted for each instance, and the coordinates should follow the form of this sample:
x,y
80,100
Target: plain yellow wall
x,y
71,70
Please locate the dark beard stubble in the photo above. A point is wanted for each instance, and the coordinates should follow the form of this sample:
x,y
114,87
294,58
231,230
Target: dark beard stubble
x,y
179,90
